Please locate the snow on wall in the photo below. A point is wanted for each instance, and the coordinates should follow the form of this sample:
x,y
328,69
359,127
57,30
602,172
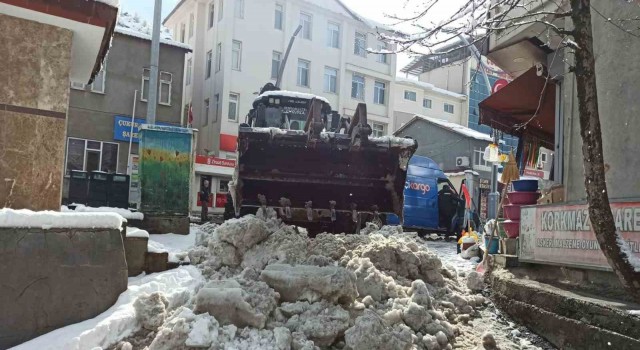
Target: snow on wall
x,y
52,219
125,213
136,232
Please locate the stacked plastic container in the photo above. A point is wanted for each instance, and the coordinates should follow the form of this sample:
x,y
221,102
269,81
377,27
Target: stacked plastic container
x,y
525,192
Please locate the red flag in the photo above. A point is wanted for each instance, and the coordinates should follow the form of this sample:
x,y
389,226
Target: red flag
x,y
467,198
190,114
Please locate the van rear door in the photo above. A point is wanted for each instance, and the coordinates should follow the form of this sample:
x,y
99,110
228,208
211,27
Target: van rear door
x,y
420,198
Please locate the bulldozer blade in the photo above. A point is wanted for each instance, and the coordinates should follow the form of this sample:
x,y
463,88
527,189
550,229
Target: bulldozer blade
x,y
331,173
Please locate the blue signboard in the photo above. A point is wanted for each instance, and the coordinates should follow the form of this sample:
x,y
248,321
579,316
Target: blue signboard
x,y
122,128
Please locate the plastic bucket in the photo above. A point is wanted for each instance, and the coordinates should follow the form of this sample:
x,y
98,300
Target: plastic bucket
x,y
492,247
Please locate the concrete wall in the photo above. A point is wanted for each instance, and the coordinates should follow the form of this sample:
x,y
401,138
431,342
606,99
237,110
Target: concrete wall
x,y
91,115
34,94
442,145
618,79
53,278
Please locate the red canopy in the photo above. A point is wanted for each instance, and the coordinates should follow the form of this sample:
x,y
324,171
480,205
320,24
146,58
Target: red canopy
x,y
516,104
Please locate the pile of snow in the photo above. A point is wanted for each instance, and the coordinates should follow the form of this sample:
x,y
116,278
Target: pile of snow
x,y
51,219
125,213
177,246
269,287
174,288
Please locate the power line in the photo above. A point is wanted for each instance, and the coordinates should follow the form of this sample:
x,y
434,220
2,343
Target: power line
x,y
608,19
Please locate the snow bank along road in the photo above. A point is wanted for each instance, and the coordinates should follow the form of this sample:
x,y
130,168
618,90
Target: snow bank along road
x,y
261,285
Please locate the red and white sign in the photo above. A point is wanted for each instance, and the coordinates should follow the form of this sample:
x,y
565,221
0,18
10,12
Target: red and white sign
x,y
221,200
229,163
499,84
562,234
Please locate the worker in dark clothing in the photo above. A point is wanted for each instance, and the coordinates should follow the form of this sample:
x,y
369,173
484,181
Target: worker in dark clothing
x,y
205,193
447,204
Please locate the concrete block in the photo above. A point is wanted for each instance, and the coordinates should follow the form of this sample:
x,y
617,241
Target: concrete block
x,y
505,261
57,277
135,251
156,262
156,225
508,246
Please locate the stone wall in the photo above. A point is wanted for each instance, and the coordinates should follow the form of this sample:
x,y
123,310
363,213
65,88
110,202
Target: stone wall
x,y
53,278
34,96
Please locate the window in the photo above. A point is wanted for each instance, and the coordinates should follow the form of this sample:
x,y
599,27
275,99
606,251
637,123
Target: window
x,y
190,25
276,57
165,88
206,112
410,95
236,55
218,57
279,14
239,9
145,85
360,45
217,107
305,21
77,86
448,108
220,11
209,63
357,87
330,80
378,129
303,73
382,58
426,103
223,185
87,155
98,81
211,14
188,78
333,35
478,161
182,32
233,106
379,92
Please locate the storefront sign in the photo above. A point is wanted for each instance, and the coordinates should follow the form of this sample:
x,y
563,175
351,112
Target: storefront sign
x,y
562,234
484,184
122,128
229,163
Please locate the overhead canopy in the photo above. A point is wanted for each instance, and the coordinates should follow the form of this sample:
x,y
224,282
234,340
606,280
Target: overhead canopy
x,y
528,100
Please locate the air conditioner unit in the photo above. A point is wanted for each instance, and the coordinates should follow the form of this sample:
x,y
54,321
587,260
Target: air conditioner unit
x,y
462,161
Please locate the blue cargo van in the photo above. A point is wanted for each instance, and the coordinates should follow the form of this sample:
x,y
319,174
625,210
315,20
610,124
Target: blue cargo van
x,y
430,200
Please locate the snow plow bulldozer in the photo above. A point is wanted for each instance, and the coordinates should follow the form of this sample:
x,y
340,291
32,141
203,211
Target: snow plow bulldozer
x,y
302,162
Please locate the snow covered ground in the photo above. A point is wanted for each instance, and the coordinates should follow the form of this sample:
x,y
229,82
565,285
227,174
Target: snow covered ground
x,y
119,321
176,245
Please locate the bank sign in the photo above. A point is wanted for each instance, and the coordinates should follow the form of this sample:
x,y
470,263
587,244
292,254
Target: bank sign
x,y
562,234
122,128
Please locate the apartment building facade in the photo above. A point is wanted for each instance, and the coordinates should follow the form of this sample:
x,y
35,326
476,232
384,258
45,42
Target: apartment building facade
x,y
238,46
413,97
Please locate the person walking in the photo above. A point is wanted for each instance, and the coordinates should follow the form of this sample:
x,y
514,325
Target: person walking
x,y
205,193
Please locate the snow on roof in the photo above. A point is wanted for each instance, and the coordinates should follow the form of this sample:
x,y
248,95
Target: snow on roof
x,y
53,219
125,213
132,25
462,130
401,142
430,87
293,94
112,3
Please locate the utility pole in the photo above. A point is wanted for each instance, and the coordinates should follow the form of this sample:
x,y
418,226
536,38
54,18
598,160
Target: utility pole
x,y
155,58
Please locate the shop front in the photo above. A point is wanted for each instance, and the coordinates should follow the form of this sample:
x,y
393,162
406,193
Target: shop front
x,y
218,173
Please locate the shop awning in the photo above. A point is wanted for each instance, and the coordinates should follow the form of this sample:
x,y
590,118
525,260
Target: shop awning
x,y
515,105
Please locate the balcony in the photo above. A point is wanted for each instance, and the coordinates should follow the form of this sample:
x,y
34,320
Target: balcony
x,y
521,40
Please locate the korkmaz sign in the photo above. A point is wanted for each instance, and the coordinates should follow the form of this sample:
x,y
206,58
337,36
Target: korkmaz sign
x,y
122,128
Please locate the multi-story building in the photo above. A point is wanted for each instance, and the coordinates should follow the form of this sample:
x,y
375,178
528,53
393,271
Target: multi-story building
x,y
413,97
99,117
453,68
239,45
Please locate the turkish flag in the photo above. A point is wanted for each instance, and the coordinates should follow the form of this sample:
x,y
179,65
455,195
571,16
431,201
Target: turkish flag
x,y
190,114
467,198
